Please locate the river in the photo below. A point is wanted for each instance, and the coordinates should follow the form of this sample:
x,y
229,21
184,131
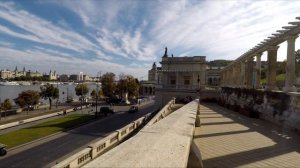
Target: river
x,y
12,91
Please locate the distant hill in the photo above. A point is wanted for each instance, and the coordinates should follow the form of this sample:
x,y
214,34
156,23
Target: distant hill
x,y
219,63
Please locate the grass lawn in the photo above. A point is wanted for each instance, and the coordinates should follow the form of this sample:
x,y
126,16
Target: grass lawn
x,y
280,77
25,135
5,121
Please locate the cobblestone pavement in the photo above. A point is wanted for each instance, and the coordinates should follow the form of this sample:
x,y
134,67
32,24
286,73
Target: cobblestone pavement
x,y
228,139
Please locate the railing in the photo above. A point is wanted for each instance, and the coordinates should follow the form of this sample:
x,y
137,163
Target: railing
x,y
180,86
96,149
166,110
166,143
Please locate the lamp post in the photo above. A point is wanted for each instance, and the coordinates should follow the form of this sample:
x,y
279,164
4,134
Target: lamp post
x,y
58,93
97,91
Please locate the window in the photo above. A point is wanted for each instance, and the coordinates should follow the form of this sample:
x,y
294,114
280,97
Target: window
x,y
186,81
173,81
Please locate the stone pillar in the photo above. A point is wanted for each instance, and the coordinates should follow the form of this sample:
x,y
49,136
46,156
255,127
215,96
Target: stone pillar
x,y
258,70
233,76
193,80
243,67
225,78
177,80
238,75
249,72
228,77
272,63
290,65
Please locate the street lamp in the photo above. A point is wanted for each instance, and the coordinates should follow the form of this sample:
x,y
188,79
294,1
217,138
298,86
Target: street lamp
x,y
97,91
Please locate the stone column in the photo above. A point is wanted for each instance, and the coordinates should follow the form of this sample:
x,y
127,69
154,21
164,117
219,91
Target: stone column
x,y
233,76
249,72
243,70
272,61
225,78
240,83
258,70
177,80
290,65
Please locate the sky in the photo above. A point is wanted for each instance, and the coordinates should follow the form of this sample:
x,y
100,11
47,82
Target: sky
x,y
127,36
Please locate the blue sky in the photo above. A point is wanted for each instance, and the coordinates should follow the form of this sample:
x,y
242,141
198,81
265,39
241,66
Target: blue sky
x,y
127,36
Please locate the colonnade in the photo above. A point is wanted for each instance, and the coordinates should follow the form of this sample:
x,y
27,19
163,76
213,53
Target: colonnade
x,y
244,74
147,90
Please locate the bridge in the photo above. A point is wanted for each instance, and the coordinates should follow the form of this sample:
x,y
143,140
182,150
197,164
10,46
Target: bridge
x,y
246,125
224,138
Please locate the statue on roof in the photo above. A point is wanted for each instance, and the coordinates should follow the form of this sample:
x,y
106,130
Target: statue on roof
x,y
154,66
166,52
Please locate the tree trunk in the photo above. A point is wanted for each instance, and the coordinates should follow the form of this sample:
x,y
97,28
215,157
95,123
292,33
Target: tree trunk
x,y
50,103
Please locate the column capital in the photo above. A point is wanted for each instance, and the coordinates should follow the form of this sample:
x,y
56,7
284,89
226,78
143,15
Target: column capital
x,y
291,38
273,48
250,58
258,54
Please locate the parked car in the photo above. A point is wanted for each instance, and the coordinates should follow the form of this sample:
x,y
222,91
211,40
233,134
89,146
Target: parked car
x,y
2,150
133,109
106,110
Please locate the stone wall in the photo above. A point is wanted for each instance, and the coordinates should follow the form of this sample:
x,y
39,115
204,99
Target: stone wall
x,y
275,106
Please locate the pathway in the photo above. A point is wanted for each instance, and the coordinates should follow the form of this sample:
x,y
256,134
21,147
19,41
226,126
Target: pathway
x,y
228,139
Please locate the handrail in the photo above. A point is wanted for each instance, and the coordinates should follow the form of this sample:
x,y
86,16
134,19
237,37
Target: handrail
x,y
164,144
166,110
96,149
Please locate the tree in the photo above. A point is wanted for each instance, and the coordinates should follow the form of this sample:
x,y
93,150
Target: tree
x,y
81,90
108,85
122,85
93,93
281,67
297,56
49,92
133,86
127,84
6,105
27,98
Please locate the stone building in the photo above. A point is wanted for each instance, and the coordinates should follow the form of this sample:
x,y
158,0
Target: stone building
x,y
6,74
74,77
33,74
181,77
52,75
86,78
19,73
147,88
213,76
64,78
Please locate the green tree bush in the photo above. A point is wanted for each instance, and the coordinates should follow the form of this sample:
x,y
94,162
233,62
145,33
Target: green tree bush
x,y
27,98
49,92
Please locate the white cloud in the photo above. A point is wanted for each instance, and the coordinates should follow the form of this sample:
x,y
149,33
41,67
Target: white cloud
x,y
43,31
126,45
6,44
221,29
43,61
217,29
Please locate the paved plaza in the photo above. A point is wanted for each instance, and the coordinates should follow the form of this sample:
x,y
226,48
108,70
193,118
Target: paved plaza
x,y
228,139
